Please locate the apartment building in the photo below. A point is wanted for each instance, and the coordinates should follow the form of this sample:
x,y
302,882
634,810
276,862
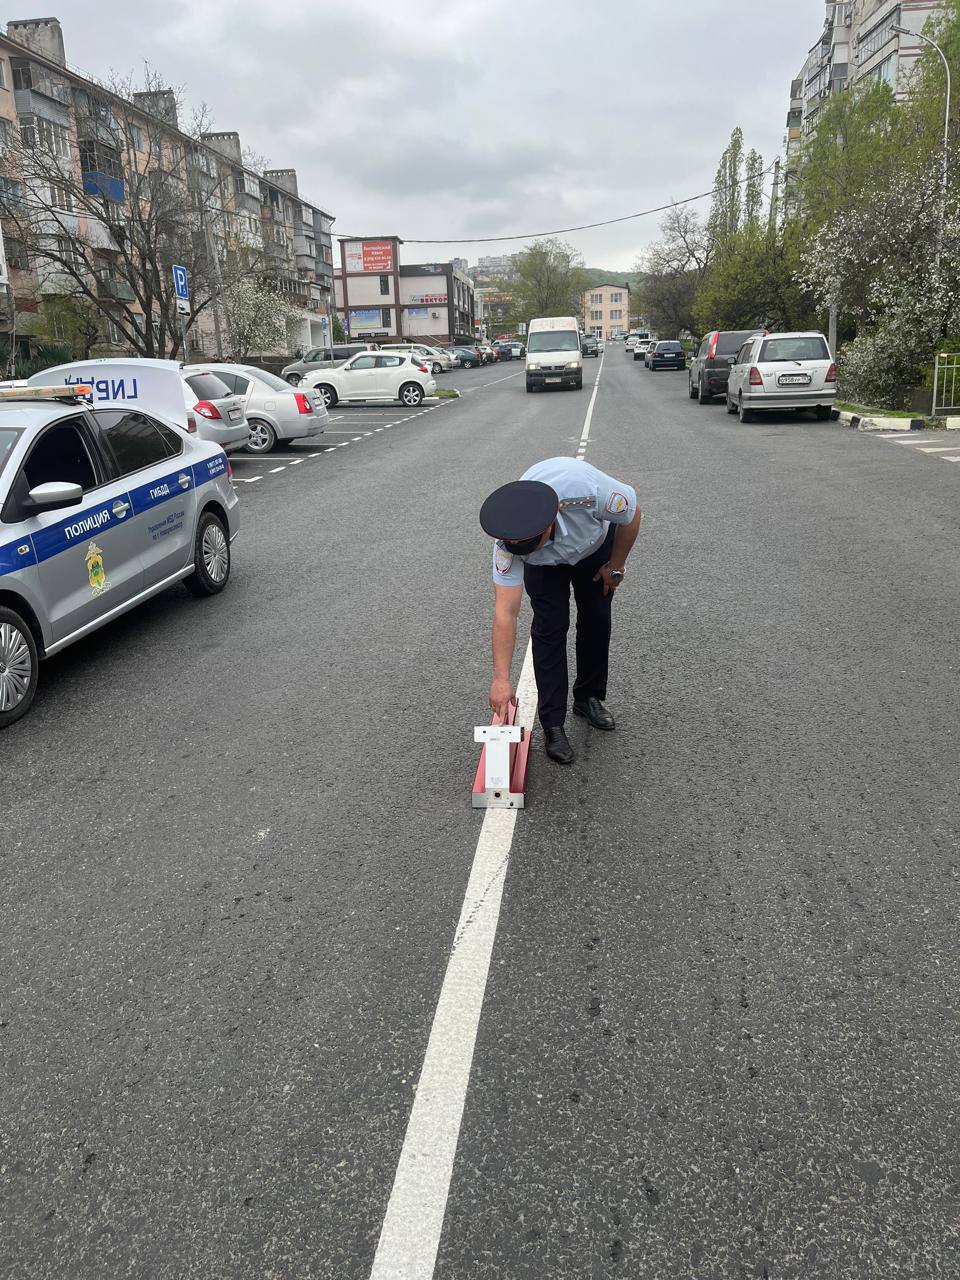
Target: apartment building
x,y
103,158
858,42
606,310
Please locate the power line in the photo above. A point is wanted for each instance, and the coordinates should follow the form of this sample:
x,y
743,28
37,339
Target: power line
x,y
562,231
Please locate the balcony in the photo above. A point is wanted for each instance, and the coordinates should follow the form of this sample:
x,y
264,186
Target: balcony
x,y
98,183
115,290
247,202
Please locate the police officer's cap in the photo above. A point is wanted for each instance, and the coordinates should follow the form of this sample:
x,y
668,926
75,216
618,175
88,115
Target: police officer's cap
x,y
521,511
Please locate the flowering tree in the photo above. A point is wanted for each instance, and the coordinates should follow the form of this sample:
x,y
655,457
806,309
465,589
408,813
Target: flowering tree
x,y
877,260
257,318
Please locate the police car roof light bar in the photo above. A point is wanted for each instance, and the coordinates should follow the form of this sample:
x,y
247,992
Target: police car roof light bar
x,y
70,394
501,780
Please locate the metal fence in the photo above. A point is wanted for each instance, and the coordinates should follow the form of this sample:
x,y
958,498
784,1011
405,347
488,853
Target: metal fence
x,y
946,383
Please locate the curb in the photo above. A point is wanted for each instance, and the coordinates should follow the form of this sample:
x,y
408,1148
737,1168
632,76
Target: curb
x,y
848,419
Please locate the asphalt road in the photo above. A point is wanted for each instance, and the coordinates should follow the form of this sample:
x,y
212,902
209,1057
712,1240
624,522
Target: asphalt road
x,y
720,1030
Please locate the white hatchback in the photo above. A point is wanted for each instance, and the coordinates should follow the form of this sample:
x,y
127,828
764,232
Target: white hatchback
x,y
782,371
375,375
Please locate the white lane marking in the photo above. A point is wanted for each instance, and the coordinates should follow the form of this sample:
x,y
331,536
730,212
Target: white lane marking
x,y
337,418
411,1228
295,462
955,458
493,383
274,470
315,455
378,428
938,448
585,434
355,439
254,479
410,1236
902,435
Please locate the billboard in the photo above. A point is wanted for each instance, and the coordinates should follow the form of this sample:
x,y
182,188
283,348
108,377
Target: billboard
x,y
367,320
430,298
368,255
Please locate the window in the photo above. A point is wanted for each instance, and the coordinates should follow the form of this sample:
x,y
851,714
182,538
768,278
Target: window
x,y
596,315
385,317
17,257
271,380
384,286
782,350
114,336
3,76
135,134
389,362
21,77
6,133
207,386
60,197
68,253
235,384
61,455
886,70
873,40
362,362
616,314
11,193
616,297
38,133
134,440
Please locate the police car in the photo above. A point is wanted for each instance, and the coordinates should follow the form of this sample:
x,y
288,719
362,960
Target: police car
x,y
100,508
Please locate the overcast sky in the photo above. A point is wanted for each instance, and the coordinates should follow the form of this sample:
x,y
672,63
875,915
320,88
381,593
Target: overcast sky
x,y
473,117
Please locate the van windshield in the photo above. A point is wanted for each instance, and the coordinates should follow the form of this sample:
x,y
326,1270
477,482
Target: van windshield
x,y
554,340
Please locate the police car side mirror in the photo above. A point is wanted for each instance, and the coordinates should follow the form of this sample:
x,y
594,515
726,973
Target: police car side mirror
x,y
53,496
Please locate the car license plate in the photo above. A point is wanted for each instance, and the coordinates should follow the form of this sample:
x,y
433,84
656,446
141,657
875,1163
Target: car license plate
x,y
794,379
553,379
235,415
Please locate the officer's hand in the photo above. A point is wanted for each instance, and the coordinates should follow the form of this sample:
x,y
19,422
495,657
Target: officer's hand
x,y
501,695
609,584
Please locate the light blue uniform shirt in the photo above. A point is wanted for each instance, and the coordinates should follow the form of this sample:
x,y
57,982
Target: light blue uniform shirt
x,y
590,501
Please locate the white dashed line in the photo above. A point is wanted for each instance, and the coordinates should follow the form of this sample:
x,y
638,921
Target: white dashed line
x,y
937,448
295,462
316,455
274,470
355,439
953,458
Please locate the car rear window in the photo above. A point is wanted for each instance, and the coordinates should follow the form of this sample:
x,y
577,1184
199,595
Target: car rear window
x,y
669,346
775,350
269,379
207,386
728,344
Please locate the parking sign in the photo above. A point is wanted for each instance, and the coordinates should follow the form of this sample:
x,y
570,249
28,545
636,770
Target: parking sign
x,y
180,282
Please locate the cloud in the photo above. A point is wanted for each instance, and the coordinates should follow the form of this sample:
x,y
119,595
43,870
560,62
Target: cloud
x,y
473,118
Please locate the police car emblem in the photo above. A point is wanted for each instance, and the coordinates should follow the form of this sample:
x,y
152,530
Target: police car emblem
x,y
95,570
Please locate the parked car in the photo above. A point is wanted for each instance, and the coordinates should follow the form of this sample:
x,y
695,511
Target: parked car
x,y
437,360
274,410
710,366
630,345
642,346
504,349
375,375
213,409
782,371
318,357
103,505
470,357
488,353
454,356
590,346
667,355
517,349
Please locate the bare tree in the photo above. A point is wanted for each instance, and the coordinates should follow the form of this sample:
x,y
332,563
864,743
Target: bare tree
x,y
674,269
104,219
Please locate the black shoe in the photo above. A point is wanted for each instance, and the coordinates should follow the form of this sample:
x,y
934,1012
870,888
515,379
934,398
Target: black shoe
x,y
594,711
558,748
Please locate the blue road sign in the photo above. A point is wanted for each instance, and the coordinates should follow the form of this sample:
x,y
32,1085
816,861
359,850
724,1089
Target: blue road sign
x,y
180,282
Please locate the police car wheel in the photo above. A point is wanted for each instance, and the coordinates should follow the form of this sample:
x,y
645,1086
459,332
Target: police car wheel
x,y
411,395
211,557
262,436
18,667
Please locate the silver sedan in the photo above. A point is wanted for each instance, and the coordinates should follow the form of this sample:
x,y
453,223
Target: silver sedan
x,y
275,410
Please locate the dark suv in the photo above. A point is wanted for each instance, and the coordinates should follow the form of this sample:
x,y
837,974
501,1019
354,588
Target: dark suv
x,y
589,345
710,366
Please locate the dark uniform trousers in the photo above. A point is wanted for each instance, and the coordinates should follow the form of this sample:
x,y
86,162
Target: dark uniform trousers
x,y
548,586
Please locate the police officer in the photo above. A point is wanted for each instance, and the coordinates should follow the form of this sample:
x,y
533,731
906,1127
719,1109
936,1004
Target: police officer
x,y
562,524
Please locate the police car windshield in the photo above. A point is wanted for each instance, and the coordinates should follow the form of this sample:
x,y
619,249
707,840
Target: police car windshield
x,y
554,340
8,438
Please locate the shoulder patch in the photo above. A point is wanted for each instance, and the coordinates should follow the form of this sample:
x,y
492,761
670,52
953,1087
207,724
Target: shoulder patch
x,y
503,560
616,503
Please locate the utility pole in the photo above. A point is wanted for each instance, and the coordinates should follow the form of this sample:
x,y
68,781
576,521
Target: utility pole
x,y
832,330
775,197
216,283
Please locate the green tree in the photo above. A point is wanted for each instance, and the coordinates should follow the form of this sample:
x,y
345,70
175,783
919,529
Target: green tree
x,y
753,197
674,270
727,209
548,280
339,333
754,283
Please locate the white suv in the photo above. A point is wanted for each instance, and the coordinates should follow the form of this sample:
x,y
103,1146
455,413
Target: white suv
x,y
780,371
375,375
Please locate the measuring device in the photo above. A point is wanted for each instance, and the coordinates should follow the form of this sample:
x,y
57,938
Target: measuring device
x,y
501,779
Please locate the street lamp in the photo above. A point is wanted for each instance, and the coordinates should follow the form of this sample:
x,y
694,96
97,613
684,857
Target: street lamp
x,y
905,31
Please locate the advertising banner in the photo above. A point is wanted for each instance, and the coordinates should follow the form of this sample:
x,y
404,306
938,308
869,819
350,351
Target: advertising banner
x,y
368,255
418,313
364,321
432,299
